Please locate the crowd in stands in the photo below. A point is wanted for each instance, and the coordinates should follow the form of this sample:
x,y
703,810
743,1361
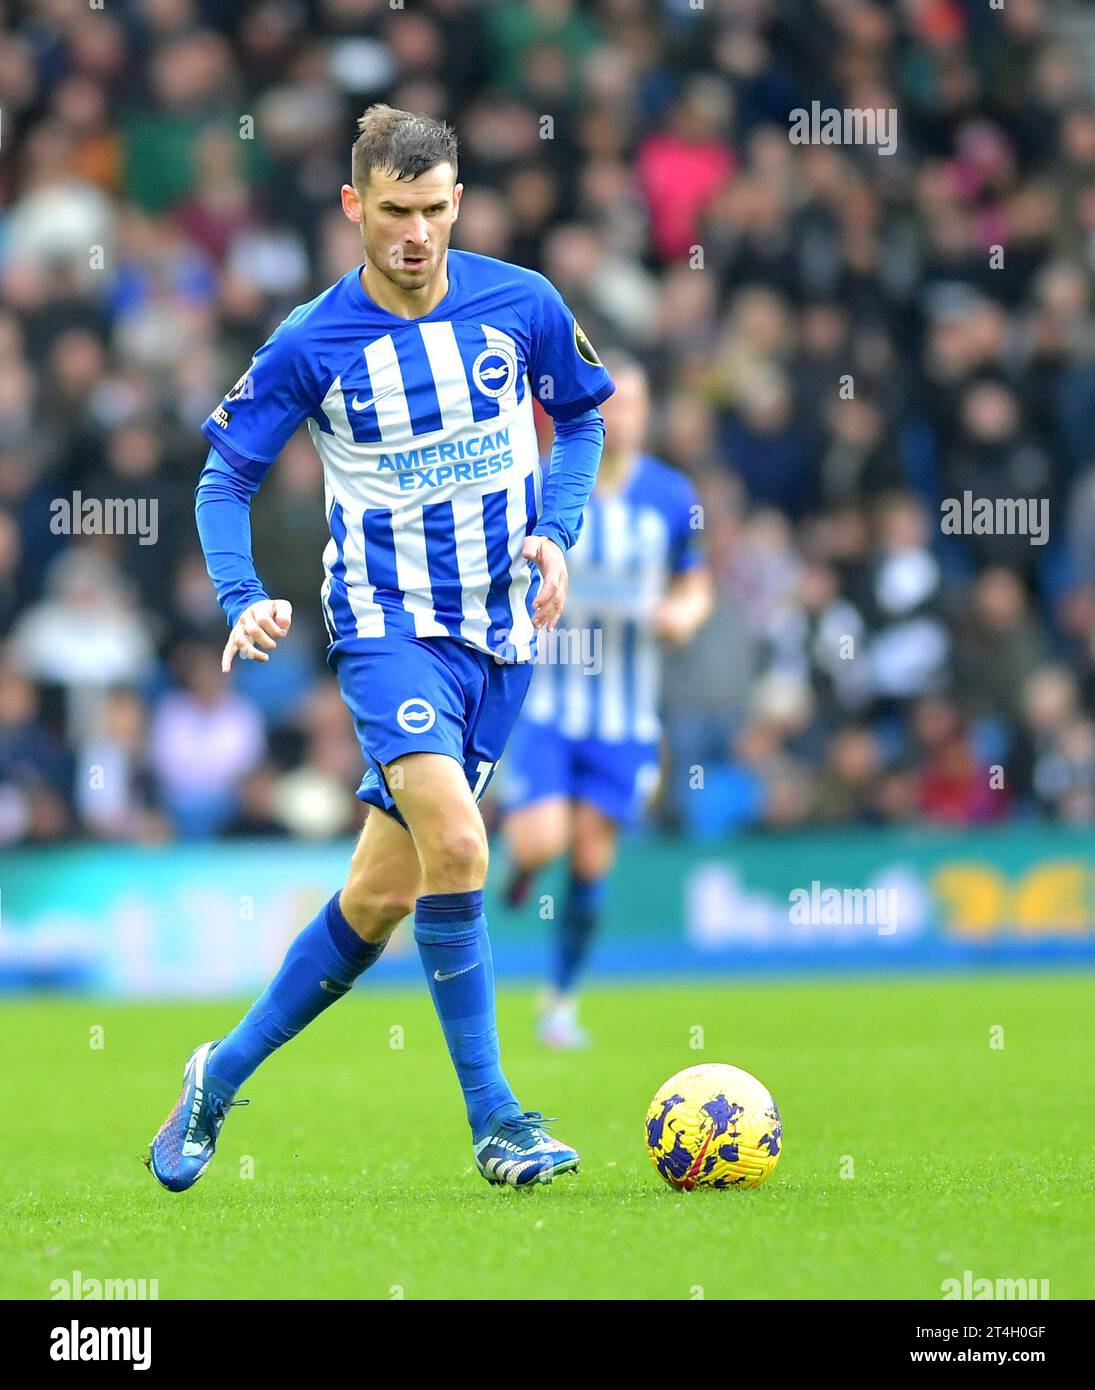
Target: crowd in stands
x,y
838,340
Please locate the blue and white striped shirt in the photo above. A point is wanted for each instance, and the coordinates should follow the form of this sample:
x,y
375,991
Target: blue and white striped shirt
x,y
425,431
607,684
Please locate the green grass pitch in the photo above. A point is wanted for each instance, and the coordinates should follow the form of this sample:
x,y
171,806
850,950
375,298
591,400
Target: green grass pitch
x,y
914,1150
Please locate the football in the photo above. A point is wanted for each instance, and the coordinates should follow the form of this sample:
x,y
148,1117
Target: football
x,y
713,1126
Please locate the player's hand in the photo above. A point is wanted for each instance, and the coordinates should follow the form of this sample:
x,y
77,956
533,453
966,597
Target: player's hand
x,y
673,621
257,628
685,608
547,606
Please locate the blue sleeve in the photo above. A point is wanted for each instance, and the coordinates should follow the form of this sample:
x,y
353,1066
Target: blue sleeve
x,y
572,471
685,520
223,511
567,376
275,394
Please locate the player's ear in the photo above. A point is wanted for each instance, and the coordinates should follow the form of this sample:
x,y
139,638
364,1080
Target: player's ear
x,y
458,189
351,202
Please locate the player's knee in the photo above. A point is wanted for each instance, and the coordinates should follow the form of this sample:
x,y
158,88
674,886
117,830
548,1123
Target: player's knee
x,y
594,846
374,911
590,861
456,857
532,846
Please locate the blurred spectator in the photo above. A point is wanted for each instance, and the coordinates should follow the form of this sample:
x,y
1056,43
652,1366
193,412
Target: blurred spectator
x,y
953,787
35,768
87,633
847,791
998,645
994,457
1064,775
204,741
909,644
257,813
680,168
1054,762
114,790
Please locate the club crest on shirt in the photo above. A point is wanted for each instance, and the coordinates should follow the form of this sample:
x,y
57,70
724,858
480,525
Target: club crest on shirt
x,y
243,390
494,371
585,348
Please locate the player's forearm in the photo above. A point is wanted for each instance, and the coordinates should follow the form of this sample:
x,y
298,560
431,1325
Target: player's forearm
x,y
575,456
690,598
696,594
222,509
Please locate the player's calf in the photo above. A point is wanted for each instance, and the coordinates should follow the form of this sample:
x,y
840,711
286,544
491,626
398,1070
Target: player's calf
x,y
434,797
536,834
374,910
450,931
320,967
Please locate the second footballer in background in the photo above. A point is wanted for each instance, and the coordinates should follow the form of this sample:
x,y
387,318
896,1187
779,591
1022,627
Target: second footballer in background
x,y
584,757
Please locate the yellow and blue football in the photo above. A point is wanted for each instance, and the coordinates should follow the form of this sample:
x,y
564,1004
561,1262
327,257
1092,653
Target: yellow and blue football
x,y
713,1126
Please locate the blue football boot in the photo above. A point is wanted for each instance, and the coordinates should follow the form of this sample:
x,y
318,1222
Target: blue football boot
x,y
520,1152
186,1140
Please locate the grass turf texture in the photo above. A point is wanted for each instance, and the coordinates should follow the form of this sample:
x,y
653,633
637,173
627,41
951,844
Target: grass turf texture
x,y
965,1157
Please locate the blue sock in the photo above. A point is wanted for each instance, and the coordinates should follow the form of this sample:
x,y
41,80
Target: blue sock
x,y
581,912
451,933
319,967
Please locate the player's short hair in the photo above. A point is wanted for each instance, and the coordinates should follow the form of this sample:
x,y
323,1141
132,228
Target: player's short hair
x,y
400,142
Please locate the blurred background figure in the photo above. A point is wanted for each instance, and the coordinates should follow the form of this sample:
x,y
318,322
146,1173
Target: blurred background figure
x,y
584,758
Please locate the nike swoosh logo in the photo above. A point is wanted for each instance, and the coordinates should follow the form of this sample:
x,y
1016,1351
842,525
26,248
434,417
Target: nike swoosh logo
x,y
453,973
364,405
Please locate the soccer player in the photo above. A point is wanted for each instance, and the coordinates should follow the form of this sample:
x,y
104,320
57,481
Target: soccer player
x,y
415,373
585,754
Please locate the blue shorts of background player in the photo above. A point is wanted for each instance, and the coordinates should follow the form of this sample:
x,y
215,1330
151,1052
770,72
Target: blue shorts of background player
x,y
427,695
617,778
